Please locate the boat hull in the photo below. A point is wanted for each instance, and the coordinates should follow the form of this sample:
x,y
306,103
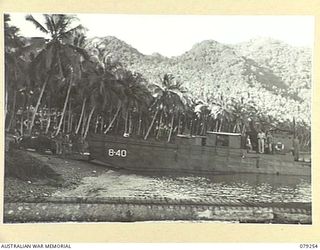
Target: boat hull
x,y
146,156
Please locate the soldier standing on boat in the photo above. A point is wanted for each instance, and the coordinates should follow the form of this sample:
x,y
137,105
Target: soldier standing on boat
x,y
296,148
270,142
261,139
248,144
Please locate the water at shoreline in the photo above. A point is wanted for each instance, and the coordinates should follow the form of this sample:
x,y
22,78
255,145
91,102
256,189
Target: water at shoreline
x,y
248,187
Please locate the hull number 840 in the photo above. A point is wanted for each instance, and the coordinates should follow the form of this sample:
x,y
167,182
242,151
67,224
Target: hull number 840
x,y
119,152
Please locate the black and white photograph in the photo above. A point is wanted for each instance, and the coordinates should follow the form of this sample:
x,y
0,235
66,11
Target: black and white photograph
x,y
157,118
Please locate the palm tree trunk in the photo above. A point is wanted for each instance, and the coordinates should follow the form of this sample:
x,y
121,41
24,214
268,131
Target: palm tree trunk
x,y
234,128
21,124
96,124
243,129
28,119
101,126
63,124
88,122
220,127
210,122
14,97
183,123
159,127
55,120
48,123
150,127
130,123
238,128
126,122
118,121
140,121
179,121
171,128
198,126
69,118
38,104
71,123
84,122
206,124
114,118
64,106
81,115
216,125
203,125
41,124
12,117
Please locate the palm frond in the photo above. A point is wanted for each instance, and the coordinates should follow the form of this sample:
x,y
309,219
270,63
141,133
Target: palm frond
x,y
36,23
6,18
63,21
50,24
71,32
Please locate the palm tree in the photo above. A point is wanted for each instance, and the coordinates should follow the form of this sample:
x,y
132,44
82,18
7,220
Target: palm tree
x,y
15,68
57,59
169,96
74,66
136,96
103,90
178,102
16,82
85,86
202,111
221,110
189,116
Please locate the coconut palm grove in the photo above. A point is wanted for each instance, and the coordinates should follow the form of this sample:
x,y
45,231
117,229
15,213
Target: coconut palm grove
x,y
67,83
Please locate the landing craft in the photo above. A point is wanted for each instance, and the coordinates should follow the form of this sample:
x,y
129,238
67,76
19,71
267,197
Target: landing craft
x,y
215,153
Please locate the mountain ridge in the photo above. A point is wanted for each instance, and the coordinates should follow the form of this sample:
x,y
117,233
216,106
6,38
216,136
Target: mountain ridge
x,y
269,68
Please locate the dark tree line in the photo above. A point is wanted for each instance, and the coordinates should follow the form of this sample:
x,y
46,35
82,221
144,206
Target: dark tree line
x,y
62,85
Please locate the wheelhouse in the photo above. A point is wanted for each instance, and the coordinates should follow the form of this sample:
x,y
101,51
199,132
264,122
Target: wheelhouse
x,y
223,139
212,139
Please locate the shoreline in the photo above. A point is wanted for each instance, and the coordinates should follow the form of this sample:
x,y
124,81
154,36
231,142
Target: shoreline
x,y
38,200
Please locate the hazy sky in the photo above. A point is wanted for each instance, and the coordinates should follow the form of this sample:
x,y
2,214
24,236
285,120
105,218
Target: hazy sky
x,y
172,35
